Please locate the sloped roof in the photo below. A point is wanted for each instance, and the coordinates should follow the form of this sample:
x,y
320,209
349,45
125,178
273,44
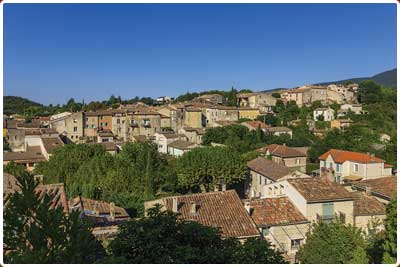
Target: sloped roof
x,y
317,189
255,124
268,168
275,211
367,205
89,206
221,209
50,143
278,129
386,186
283,151
340,156
56,191
32,154
181,144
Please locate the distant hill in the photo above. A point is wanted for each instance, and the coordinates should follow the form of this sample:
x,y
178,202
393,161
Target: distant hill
x,y
16,104
386,78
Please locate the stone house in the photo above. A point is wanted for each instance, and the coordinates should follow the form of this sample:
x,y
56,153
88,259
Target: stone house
x,y
264,172
248,113
261,101
221,209
143,122
279,130
352,166
288,156
179,147
70,125
215,99
193,135
327,113
120,124
281,223
162,140
193,118
253,125
356,108
341,124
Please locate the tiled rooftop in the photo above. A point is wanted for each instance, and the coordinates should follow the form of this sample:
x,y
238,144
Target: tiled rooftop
x,y
341,156
386,186
268,168
319,189
275,211
221,209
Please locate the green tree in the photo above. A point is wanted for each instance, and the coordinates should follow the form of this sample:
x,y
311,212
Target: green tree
x,y
333,243
390,241
36,233
209,166
162,238
232,101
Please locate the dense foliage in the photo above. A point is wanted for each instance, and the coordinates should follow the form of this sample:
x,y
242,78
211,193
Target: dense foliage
x,y
162,238
207,167
390,240
36,233
136,174
333,243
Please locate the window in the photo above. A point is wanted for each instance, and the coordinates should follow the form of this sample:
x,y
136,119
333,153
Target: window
x,y
327,211
259,179
295,244
356,167
331,165
297,161
75,129
281,189
118,120
265,181
337,167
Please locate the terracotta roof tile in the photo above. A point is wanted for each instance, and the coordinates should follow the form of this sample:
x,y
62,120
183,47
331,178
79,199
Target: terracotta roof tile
x,y
282,151
221,209
182,144
367,205
255,124
341,156
268,168
386,186
319,189
275,211
55,191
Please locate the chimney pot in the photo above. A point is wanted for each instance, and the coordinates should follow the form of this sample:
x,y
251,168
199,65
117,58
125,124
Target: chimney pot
x,y
174,204
193,207
223,187
368,190
112,211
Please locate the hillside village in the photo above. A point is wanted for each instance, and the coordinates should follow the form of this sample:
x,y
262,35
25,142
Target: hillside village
x,y
283,161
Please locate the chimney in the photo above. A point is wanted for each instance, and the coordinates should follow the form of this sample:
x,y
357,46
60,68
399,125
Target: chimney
x,y
175,205
284,144
247,206
96,209
368,190
112,211
223,187
216,188
372,155
193,207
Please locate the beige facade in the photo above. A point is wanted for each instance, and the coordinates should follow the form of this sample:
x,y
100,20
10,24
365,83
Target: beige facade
x,y
249,113
193,118
119,124
355,169
296,163
287,238
262,186
366,222
256,100
68,124
143,123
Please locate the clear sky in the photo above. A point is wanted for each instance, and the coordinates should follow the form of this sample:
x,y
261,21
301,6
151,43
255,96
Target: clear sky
x,y
56,51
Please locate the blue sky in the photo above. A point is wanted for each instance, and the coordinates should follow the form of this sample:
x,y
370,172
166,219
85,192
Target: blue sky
x,y
56,51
